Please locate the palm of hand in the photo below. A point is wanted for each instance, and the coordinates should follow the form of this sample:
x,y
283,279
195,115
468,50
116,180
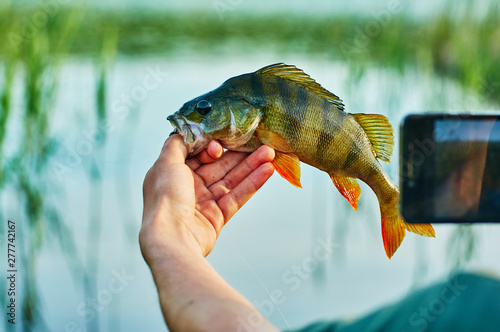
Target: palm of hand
x,y
214,201
201,193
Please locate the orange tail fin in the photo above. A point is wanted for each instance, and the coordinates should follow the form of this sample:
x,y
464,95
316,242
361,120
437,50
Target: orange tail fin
x,y
393,229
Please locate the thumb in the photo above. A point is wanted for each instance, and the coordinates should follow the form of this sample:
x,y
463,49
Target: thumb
x,y
174,151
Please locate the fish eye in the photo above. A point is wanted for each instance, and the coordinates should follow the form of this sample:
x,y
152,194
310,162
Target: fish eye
x,y
203,107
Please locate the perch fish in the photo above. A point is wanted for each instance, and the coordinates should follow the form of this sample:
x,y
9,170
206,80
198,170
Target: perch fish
x,y
284,108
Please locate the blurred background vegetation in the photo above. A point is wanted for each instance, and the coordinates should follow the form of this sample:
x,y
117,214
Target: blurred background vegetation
x,y
457,42
38,39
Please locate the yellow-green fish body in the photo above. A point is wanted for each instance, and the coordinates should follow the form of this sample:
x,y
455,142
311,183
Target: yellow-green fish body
x,y
282,107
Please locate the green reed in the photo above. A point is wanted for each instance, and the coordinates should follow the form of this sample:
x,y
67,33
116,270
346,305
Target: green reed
x,y
103,62
459,45
34,59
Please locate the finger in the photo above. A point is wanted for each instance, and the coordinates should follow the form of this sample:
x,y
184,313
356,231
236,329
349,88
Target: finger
x,y
236,198
211,173
209,155
194,163
241,171
173,151
214,150
170,161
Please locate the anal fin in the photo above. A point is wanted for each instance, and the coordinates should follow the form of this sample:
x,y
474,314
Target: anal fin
x,y
348,187
288,166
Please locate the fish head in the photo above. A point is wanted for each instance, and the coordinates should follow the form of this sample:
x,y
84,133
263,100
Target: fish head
x,y
196,121
227,117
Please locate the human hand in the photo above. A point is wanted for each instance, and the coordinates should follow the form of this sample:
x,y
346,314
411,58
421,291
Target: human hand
x,y
187,202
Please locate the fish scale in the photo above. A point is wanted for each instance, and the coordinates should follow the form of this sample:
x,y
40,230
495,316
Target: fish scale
x,y
284,108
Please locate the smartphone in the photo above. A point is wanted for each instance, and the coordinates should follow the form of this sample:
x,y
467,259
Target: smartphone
x,y
450,168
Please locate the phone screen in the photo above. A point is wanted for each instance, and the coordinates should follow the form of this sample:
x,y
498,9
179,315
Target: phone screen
x,y
450,168
467,169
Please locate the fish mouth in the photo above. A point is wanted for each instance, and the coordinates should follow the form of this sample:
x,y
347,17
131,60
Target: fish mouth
x,y
193,136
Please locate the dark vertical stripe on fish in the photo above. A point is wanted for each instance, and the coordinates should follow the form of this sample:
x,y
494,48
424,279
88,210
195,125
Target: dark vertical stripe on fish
x,y
324,141
256,85
323,137
306,114
284,92
328,126
352,156
302,99
292,127
283,98
291,118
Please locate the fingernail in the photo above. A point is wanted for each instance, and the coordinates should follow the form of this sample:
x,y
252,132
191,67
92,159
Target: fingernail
x,y
269,166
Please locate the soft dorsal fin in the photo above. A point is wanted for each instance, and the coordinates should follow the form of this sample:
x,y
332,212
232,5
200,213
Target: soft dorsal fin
x,y
296,75
379,132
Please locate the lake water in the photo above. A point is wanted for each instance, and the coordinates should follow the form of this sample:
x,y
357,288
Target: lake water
x,y
343,268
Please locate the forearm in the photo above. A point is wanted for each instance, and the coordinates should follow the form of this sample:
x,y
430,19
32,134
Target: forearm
x,y
186,204
194,297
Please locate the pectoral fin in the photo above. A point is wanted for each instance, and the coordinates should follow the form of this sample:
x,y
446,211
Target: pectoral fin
x,y
273,140
348,187
288,166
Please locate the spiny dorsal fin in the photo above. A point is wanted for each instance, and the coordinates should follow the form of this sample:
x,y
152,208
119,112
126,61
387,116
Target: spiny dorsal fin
x,y
379,132
298,76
